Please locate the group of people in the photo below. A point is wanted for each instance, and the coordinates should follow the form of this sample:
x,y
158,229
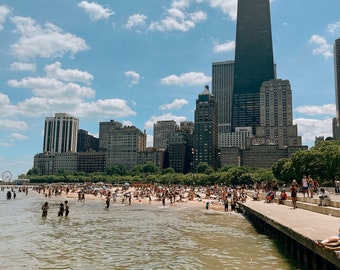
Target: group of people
x,y
63,208
309,186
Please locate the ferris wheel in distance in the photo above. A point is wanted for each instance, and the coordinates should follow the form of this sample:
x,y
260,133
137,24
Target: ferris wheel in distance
x,y
7,176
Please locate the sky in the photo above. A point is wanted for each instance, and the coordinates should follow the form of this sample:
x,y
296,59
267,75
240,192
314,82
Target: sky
x,y
138,62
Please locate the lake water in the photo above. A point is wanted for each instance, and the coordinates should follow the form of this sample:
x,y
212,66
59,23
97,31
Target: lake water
x,y
137,236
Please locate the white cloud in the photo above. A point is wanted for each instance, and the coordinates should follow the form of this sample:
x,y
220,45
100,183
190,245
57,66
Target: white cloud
x,y
334,27
58,83
310,128
4,13
190,78
68,75
225,47
135,21
178,19
18,136
133,77
149,140
323,48
12,124
176,104
95,11
168,116
327,109
45,42
19,66
227,7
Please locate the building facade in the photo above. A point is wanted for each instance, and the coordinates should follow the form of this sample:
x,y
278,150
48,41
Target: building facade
x,y
180,145
61,133
161,132
336,120
104,129
123,145
206,130
254,61
276,114
222,89
187,126
86,142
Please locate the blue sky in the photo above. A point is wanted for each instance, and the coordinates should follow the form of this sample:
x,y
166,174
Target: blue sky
x,y
138,62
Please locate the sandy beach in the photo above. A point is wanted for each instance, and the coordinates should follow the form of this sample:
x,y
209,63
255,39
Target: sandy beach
x,y
195,198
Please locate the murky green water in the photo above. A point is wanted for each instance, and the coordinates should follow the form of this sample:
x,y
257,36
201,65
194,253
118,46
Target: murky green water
x,y
139,236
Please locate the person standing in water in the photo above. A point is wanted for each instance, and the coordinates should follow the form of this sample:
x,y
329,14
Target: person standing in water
x,y
44,209
61,210
107,202
67,208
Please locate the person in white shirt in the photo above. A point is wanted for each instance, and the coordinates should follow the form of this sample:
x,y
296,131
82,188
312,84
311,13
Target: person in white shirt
x,y
324,197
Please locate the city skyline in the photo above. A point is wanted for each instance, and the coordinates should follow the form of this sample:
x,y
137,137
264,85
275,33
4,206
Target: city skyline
x,y
139,63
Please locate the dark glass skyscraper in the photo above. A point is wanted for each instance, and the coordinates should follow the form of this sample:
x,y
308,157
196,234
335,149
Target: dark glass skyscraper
x,y
336,120
254,61
206,128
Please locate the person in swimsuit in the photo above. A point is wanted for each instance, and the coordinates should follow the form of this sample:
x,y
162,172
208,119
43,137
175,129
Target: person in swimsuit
x,y
293,192
44,209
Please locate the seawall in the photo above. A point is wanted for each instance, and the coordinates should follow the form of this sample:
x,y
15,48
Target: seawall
x,y
296,229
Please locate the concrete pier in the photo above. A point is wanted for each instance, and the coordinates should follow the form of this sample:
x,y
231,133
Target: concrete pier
x,y
296,229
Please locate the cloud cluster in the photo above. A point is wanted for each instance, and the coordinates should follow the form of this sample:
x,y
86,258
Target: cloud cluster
x,y
189,78
132,76
323,48
46,42
176,104
4,13
225,47
95,11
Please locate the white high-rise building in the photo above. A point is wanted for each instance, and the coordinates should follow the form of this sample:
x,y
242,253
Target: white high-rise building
x,y
61,133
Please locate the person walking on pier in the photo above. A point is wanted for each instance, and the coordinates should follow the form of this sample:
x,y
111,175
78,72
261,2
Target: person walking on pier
x,y
304,184
293,192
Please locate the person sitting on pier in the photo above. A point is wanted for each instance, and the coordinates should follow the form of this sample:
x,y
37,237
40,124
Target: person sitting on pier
x,y
283,197
324,197
330,243
270,196
256,195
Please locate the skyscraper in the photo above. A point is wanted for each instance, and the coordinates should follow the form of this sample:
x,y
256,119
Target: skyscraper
x,y
61,133
336,120
206,128
222,89
254,61
277,115
161,132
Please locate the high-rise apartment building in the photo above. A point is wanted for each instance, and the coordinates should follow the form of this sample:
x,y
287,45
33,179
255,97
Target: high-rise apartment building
x,y
61,133
104,129
161,132
206,129
180,145
222,89
187,126
123,145
336,120
254,61
276,117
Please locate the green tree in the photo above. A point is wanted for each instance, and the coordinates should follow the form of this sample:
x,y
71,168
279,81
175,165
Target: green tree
x,y
203,167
